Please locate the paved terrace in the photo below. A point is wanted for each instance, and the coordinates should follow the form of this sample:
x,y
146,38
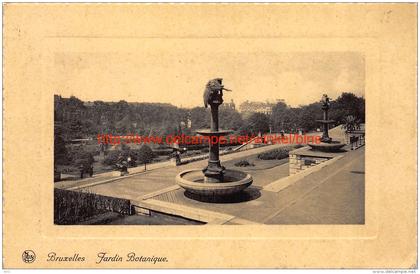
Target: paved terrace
x,y
163,174
330,194
114,175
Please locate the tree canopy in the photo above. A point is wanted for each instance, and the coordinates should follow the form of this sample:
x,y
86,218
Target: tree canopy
x,y
80,120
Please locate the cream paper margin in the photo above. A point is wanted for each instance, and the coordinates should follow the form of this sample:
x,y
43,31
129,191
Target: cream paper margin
x,y
384,33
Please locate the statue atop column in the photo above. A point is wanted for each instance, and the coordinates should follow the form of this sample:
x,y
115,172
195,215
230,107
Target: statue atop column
x,y
325,100
214,92
327,144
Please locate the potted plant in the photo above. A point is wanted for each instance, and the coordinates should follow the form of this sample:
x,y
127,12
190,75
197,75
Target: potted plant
x,y
350,124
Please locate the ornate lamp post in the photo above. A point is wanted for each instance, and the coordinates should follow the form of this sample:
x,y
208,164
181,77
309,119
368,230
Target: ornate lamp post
x,y
214,170
325,107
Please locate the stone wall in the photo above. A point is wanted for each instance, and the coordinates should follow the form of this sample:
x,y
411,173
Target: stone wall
x,y
303,158
298,162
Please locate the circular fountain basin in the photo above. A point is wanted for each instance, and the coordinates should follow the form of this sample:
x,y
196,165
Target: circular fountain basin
x,y
208,132
334,146
234,182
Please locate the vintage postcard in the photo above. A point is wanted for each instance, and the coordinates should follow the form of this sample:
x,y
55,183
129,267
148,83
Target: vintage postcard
x,y
210,135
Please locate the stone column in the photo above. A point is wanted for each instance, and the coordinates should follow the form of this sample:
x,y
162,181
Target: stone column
x,y
325,137
214,171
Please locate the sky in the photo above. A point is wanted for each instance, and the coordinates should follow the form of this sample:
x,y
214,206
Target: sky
x,y
178,75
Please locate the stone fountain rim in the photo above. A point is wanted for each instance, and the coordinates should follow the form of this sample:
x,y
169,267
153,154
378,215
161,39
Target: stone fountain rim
x,y
327,147
323,144
246,180
209,132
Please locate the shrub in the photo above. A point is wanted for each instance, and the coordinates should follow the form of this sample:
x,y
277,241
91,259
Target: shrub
x,y
243,163
163,152
82,159
276,154
78,155
71,207
112,157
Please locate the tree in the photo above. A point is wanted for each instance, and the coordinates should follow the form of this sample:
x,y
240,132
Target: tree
x,y
257,123
60,150
308,116
82,159
348,104
145,155
229,119
304,117
278,116
200,118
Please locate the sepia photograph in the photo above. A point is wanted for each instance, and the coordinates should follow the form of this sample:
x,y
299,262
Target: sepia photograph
x,y
281,145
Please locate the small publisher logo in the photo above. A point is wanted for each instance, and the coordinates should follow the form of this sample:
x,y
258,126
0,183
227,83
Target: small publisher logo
x,y
28,256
